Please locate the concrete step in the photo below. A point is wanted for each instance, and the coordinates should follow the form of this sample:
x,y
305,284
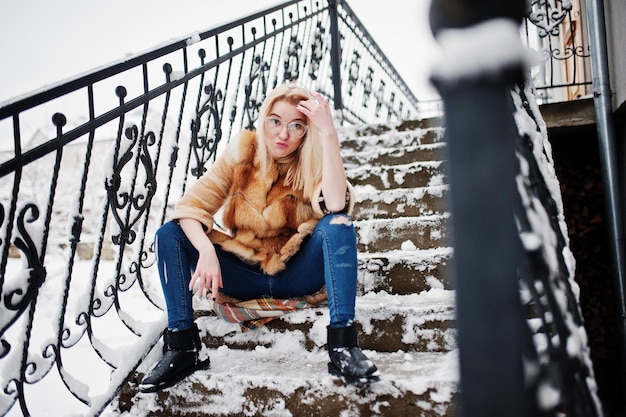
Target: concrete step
x,y
405,271
285,381
399,202
384,234
353,144
406,134
387,323
411,175
380,156
433,122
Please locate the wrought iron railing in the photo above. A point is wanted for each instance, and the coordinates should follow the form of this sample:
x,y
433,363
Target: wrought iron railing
x,y
557,30
82,195
558,353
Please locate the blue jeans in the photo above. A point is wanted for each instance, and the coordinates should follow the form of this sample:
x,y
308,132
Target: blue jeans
x,y
327,257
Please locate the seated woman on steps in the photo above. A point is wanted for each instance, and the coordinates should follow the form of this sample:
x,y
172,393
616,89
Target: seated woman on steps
x,y
285,201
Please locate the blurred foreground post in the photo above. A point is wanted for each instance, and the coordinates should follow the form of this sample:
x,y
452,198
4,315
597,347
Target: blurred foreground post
x,y
481,132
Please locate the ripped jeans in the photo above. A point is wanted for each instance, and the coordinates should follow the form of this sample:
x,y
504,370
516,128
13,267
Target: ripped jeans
x,y
328,256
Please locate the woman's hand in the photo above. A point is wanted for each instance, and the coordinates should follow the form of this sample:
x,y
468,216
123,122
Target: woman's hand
x,y
317,109
208,275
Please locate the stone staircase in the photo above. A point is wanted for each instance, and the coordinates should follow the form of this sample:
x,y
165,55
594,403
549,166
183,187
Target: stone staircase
x,y
405,308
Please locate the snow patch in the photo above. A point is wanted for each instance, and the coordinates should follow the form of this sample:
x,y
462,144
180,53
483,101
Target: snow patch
x,y
484,48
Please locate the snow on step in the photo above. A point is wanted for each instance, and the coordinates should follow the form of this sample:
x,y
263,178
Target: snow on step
x,y
388,322
395,155
389,233
411,175
371,203
362,140
405,271
293,382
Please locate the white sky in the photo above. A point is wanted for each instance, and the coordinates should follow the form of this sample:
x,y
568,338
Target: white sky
x,y
46,41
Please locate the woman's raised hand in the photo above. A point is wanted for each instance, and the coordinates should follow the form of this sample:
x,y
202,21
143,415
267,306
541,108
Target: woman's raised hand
x,y
317,109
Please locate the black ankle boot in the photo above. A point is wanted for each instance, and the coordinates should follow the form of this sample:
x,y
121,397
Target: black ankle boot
x,y
180,359
346,359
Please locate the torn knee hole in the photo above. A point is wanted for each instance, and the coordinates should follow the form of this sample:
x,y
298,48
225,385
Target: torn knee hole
x,y
341,220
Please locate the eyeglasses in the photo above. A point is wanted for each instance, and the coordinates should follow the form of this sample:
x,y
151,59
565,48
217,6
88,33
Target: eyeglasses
x,y
295,129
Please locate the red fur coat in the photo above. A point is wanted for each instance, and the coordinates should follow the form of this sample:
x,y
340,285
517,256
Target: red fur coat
x,y
266,219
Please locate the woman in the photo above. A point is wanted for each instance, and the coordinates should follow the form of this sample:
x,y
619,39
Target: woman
x,y
284,197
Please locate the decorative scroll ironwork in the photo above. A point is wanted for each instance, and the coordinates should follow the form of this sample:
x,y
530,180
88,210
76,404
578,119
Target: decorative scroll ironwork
x,y
367,87
292,60
353,72
255,90
548,18
380,98
128,205
556,28
317,51
18,299
80,302
204,144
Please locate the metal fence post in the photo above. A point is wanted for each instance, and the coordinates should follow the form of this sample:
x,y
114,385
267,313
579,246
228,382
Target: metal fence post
x,y
609,163
487,250
335,53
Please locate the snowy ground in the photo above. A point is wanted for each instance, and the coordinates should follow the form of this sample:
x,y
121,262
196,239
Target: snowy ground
x,y
285,365
84,370
234,371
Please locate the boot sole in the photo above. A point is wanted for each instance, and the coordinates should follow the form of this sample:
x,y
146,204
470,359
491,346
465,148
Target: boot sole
x,y
351,379
205,364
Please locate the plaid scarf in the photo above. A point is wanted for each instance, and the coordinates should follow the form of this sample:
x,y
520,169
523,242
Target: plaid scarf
x,y
253,314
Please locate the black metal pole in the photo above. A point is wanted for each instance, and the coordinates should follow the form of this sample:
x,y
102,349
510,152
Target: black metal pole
x,y
610,170
335,53
480,135
487,249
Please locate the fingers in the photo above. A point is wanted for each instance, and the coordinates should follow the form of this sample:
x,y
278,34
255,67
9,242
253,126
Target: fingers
x,y
207,276
197,285
319,97
314,104
319,101
215,287
192,282
201,286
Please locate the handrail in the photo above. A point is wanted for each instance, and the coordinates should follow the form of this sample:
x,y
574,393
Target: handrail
x,y
82,196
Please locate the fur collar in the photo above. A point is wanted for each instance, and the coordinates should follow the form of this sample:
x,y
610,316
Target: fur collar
x,y
268,219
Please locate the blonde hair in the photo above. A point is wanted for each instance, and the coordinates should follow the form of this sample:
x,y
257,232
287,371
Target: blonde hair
x,y
305,173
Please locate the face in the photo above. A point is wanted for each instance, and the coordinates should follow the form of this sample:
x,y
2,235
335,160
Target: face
x,y
282,143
